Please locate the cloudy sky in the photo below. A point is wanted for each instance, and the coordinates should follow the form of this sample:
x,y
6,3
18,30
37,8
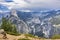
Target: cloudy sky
x,y
32,4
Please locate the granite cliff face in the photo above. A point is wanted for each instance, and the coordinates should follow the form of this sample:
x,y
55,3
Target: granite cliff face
x,y
36,23
40,25
20,24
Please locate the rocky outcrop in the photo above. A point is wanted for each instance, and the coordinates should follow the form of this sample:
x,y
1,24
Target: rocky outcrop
x,y
20,24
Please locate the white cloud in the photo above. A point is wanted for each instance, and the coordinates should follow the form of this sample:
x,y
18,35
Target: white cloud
x,y
1,0
45,3
9,5
26,10
21,3
15,4
33,4
52,4
6,0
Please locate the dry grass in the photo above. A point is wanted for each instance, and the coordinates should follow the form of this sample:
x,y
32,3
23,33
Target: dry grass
x,y
12,37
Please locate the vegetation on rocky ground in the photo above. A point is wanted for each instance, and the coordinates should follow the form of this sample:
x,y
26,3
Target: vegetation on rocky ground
x,y
9,27
23,39
29,35
56,37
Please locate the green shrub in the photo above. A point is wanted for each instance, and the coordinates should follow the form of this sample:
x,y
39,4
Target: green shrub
x,y
12,33
56,37
24,39
29,35
9,27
